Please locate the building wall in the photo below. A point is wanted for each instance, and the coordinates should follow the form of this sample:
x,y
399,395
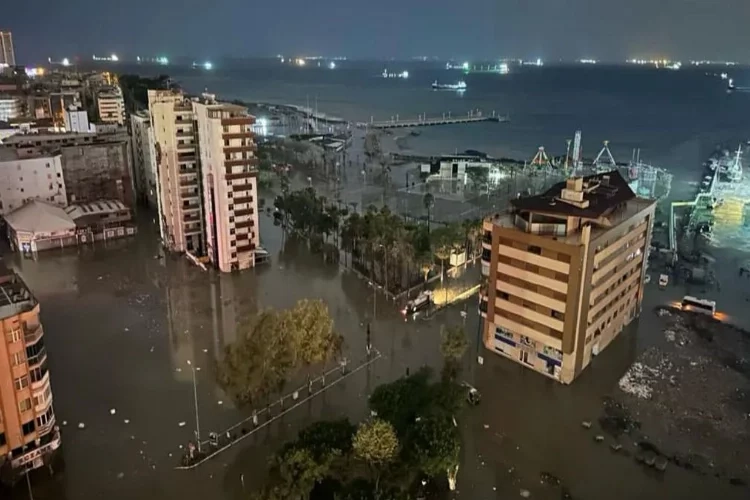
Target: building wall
x,y
553,303
111,107
26,413
76,121
23,180
228,166
144,160
98,171
10,108
178,175
7,51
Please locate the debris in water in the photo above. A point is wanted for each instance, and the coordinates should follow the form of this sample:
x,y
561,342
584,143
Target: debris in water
x,y
181,424
486,426
616,447
127,329
126,421
178,369
120,475
599,438
81,425
525,493
205,350
112,411
586,424
152,349
65,422
221,402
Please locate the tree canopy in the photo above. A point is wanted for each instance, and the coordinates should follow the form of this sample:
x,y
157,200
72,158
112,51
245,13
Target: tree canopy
x,y
453,343
376,443
273,345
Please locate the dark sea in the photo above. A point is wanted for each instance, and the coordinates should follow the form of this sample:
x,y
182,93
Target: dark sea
x,y
676,118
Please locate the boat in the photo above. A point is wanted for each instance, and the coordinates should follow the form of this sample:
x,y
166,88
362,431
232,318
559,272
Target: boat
x,y
730,85
459,86
420,303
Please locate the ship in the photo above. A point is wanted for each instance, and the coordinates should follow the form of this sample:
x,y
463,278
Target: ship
x,y
459,86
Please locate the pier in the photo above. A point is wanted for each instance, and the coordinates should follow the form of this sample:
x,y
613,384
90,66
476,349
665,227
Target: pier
x,y
445,119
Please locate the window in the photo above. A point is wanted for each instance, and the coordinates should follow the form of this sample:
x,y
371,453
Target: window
x,y
503,295
231,207
558,315
28,427
21,383
46,418
232,243
14,335
38,373
231,219
47,165
231,231
17,358
535,249
234,255
24,405
2,439
59,175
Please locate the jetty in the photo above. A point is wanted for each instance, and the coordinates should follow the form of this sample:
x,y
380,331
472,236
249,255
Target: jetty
x,y
445,119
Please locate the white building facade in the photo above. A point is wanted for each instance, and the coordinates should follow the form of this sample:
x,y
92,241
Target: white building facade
x,y
144,159
23,180
10,108
76,120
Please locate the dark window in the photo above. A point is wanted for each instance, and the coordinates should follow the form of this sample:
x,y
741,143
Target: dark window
x,y
503,295
231,219
28,427
535,249
231,231
234,255
232,243
486,254
558,315
2,439
231,207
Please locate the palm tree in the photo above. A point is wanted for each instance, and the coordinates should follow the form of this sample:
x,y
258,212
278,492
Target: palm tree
x,y
429,201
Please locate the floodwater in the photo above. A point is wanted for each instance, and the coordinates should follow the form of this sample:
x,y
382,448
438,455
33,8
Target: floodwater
x,y
121,325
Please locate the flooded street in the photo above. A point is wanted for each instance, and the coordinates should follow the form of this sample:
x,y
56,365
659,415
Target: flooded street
x,y
122,322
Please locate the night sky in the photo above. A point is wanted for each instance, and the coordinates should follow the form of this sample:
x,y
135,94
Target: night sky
x,y
550,29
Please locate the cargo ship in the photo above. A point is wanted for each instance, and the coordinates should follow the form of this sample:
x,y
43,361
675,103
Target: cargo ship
x,y
459,86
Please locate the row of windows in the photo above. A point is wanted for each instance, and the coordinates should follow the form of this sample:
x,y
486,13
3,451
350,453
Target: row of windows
x,y
541,290
537,250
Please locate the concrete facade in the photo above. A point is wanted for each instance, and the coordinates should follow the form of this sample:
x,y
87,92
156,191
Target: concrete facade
x,y
28,430
561,286
229,174
96,171
178,174
76,120
111,105
7,51
34,178
144,159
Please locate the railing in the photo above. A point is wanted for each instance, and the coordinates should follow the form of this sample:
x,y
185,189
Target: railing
x,y
34,333
38,358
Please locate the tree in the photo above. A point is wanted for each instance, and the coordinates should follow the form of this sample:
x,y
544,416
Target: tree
x,y
273,345
435,444
376,444
453,343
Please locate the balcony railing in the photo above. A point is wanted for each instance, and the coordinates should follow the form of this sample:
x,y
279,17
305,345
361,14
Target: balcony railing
x,y
246,248
38,358
245,223
245,211
243,199
33,333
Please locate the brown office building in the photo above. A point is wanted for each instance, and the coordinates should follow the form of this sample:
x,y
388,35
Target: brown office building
x,y
565,273
28,434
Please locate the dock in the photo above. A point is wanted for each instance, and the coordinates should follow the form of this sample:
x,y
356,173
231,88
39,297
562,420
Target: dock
x,y
445,119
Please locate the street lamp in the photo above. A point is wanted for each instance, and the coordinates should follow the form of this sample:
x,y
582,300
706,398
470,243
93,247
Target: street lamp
x,y
195,398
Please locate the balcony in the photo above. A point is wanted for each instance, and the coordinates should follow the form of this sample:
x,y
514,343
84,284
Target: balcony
x,y
185,157
246,248
189,182
187,218
241,162
187,146
245,223
243,212
49,442
238,120
184,133
38,358
243,199
32,333
487,237
240,175
241,149
237,135
191,208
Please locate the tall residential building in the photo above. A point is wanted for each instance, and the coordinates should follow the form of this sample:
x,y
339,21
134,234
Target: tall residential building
x,y
28,434
144,159
229,172
31,176
7,53
565,273
181,207
111,105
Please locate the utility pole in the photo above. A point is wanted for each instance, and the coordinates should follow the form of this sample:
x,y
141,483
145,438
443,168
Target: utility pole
x,y
195,398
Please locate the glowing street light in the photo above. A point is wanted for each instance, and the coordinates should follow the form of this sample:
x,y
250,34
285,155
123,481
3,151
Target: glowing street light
x,y
208,66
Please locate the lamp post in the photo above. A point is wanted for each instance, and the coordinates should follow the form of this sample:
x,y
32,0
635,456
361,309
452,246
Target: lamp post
x,y
28,483
195,398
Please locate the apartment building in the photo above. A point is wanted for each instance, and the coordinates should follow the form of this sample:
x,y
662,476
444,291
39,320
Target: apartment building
x,y
76,120
7,52
229,175
144,159
28,434
181,206
565,273
111,105
10,107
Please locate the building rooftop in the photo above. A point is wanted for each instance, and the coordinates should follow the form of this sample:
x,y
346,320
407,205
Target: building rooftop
x,y
587,197
39,216
101,207
15,296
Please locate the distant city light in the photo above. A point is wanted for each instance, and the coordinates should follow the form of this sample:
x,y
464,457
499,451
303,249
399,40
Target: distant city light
x,y
163,61
261,127
465,66
32,72
138,58
588,61
282,60
65,62
300,62
208,66
332,65
404,74
114,58
504,70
